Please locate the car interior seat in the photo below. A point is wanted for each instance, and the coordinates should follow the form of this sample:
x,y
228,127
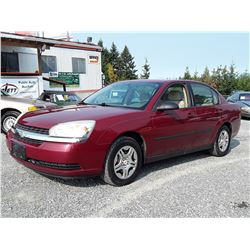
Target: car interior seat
x,y
176,97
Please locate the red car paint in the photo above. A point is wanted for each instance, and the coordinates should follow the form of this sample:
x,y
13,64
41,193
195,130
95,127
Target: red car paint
x,y
164,134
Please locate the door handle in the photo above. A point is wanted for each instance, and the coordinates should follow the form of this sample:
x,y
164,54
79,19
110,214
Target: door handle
x,y
218,112
191,115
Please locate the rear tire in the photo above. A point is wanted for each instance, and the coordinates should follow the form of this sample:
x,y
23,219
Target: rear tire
x,y
8,119
221,145
123,162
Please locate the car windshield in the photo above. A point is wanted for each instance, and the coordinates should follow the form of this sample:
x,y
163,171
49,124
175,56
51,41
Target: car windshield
x,y
244,97
124,94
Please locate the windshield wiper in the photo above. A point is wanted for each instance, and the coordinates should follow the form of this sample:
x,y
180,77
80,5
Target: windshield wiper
x,y
104,104
82,103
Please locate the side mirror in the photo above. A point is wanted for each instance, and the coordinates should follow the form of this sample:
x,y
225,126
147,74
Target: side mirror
x,y
167,106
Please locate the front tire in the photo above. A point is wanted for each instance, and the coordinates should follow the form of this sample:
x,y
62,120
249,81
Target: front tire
x,y
123,162
221,145
8,119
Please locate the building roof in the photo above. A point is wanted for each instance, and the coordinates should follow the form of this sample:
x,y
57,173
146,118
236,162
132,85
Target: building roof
x,y
36,42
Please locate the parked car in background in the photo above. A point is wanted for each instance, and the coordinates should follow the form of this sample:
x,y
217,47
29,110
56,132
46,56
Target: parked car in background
x,y
12,108
242,98
61,98
113,132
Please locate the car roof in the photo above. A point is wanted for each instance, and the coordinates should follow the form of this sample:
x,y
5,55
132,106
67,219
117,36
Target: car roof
x,y
167,82
241,92
162,81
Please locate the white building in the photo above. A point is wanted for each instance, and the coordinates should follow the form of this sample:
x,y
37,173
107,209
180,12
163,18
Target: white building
x,y
84,63
26,60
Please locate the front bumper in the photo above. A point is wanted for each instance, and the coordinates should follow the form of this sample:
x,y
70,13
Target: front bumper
x,y
60,159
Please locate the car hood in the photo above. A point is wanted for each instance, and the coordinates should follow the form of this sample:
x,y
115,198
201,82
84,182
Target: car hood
x,y
43,104
49,117
36,102
247,103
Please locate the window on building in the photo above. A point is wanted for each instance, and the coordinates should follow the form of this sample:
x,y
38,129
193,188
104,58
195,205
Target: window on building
x,y
9,62
204,95
79,65
49,64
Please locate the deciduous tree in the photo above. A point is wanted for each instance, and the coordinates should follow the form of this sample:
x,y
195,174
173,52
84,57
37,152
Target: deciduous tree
x,y
111,75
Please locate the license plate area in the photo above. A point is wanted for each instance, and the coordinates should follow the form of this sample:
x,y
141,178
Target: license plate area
x,y
18,150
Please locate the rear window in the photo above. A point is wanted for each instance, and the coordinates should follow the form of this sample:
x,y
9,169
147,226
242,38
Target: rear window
x,y
204,95
244,97
66,98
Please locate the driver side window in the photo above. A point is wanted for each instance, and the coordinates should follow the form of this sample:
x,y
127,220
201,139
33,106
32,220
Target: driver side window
x,y
177,94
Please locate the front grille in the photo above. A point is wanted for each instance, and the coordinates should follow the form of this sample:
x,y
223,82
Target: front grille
x,y
55,165
33,129
27,140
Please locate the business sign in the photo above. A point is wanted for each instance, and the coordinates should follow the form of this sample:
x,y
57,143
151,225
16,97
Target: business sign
x,y
72,79
23,88
93,59
53,74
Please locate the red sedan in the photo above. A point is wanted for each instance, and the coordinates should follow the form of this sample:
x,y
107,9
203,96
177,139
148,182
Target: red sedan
x,y
113,132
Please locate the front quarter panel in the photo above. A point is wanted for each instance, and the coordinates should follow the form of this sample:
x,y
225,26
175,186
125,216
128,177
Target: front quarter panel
x,y
138,122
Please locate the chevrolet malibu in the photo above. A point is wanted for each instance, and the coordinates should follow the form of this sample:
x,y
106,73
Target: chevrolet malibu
x,y
116,130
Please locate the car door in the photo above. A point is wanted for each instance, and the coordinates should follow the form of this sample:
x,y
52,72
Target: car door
x,y
172,130
208,113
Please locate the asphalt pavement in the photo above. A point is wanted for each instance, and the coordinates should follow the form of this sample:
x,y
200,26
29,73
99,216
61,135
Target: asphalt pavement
x,y
195,185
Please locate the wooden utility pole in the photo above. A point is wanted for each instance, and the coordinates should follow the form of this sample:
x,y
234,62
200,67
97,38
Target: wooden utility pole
x,y
39,57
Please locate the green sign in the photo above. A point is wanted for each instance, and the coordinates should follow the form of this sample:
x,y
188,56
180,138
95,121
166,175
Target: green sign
x,y
72,79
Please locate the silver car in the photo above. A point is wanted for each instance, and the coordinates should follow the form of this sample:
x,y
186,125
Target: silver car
x,y
12,108
243,99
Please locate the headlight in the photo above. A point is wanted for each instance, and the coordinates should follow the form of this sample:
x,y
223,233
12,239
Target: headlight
x,y
247,109
76,129
32,108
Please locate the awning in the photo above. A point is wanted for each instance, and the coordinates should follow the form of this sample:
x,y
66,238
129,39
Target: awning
x,y
12,39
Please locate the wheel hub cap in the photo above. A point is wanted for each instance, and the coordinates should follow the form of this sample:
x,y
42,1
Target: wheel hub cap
x,y
125,162
8,122
223,140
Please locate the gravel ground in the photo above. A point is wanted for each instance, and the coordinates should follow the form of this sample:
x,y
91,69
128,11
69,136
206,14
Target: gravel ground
x,y
195,185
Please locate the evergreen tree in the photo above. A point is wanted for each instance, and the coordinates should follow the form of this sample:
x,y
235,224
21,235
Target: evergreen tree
x,y
195,77
187,75
128,70
205,77
100,43
115,60
225,79
216,77
145,70
243,82
105,58
232,79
